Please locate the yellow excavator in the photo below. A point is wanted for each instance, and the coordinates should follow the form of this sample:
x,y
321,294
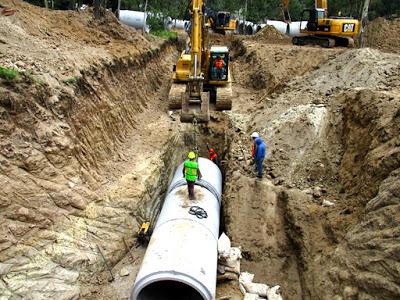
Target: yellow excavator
x,y
323,30
202,74
221,22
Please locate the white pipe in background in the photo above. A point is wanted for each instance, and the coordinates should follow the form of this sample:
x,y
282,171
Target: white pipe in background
x,y
135,19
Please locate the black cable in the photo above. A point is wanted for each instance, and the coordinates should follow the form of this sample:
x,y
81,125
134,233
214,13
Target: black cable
x,y
198,212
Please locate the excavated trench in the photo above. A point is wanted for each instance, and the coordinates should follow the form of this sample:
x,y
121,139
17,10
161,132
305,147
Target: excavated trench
x,y
264,217
101,158
252,213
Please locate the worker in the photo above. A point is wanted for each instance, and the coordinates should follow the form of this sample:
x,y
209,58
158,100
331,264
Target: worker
x,y
259,155
254,136
219,65
191,172
214,157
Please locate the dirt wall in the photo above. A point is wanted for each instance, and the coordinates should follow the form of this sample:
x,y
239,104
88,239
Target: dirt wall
x,y
332,135
84,138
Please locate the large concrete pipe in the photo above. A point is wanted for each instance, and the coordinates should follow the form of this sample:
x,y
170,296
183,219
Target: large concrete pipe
x,y
181,258
136,19
249,28
179,24
279,25
168,23
294,28
260,26
241,27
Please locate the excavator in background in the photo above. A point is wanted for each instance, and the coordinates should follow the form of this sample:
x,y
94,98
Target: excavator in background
x,y
323,30
221,22
202,74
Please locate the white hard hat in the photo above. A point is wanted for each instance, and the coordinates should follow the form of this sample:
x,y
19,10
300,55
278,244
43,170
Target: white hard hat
x,y
255,135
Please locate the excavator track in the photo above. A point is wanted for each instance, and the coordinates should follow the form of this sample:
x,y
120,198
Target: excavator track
x,y
224,98
176,94
323,41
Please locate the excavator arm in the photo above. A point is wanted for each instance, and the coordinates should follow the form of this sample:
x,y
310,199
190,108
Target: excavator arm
x,y
197,38
285,9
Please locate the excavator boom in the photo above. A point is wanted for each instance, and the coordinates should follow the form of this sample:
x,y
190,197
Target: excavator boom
x,y
285,9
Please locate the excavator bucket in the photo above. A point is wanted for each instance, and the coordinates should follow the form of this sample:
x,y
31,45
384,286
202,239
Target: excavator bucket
x,y
197,107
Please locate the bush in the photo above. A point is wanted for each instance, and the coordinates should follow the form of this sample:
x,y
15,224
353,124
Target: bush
x,y
170,35
156,24
8,74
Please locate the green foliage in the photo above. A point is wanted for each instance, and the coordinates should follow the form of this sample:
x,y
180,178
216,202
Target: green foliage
x,y
155,24
72,80
28,75
8,74
169,35
257,10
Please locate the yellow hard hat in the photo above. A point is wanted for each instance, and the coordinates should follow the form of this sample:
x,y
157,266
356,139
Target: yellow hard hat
x,y
191,155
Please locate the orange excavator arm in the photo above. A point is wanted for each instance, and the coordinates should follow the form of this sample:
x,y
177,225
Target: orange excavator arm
x,y
285,9
323,4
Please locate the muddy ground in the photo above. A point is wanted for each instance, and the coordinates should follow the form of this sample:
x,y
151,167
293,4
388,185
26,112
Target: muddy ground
x,y
88,146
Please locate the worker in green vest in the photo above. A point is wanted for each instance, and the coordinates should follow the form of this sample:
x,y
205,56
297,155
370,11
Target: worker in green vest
x,y
191,172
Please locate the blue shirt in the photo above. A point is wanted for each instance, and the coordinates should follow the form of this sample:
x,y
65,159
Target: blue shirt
x,y
260,151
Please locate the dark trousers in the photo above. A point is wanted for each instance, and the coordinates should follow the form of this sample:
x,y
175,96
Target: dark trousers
x,y
259,163
190,185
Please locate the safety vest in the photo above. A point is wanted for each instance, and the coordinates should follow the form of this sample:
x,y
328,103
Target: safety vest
x,y
219,63
191,168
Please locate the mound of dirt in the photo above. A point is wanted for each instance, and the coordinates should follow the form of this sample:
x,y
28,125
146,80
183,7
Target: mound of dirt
x,y
332,135
57,45
268,67
384,35
271,35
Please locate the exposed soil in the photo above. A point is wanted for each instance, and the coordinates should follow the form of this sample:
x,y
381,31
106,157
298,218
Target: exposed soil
x,y
331,130
384,35
87,148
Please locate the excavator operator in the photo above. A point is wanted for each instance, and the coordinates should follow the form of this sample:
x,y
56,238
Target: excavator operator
x,y
219,65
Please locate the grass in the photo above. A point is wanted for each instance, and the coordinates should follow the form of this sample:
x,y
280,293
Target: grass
x,y
28,74
8,74
169,35
72,80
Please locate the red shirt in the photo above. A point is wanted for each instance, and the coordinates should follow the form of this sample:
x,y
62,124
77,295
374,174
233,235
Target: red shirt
x,y
219,63
253,150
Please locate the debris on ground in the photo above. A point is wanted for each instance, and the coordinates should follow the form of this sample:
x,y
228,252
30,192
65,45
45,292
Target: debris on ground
x,y
228,259
257,291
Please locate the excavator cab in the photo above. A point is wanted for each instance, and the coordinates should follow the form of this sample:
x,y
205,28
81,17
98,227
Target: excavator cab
x,y
223,19
219,66
314,16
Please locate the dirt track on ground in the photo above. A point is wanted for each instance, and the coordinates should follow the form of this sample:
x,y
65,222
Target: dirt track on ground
x,y
87,148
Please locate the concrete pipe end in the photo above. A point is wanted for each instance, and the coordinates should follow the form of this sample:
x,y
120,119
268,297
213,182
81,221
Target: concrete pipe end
x,y
169,286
